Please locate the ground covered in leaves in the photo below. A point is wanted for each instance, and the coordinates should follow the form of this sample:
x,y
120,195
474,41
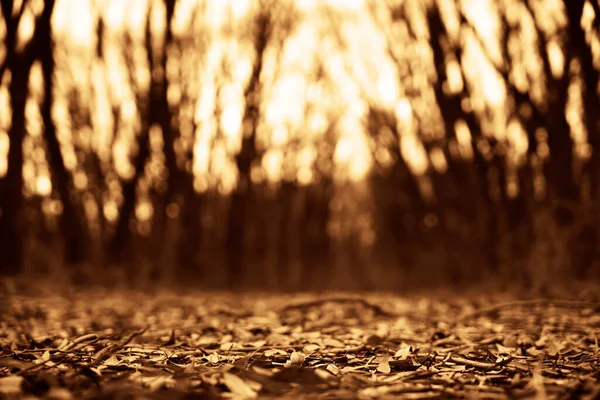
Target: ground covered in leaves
x,y
105,344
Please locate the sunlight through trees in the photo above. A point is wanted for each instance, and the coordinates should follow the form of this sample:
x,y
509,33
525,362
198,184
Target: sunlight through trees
x,y
300,143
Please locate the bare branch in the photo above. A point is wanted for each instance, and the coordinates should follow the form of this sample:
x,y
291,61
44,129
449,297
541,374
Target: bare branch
x,y
42,28
17,18
596,6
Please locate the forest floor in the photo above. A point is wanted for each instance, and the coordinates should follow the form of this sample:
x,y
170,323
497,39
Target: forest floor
x,y
122,344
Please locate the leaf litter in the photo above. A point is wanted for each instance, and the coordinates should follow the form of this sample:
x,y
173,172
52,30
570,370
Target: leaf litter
x,y
103,345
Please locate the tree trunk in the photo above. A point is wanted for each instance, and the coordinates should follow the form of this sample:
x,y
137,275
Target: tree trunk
x,y
316,246
11,196
590,239
11,187
120,245
243,193
72,226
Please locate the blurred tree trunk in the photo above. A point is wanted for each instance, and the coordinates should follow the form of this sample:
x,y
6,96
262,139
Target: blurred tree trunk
x,y
286,196
316,244
188,264
243,192
400,204
559,170
476,209
19,63
72,225
12,186
590,77
180,182
120,244
284,203
179,191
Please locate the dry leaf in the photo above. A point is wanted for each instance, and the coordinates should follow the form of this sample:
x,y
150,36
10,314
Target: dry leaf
x,y
505,350
536,383
11,385
403,353
112,361
238,386
214,358
296,358
330,342
57,393
226,346
321,373
334,369
554,348
275,352
311,348
384,366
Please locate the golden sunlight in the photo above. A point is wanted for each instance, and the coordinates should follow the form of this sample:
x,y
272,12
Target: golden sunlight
x,y
291,111
333,63
4,147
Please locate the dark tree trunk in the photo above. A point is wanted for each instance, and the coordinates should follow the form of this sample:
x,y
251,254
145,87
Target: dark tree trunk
x,y
236,227
188,264
11,186
243,193
316,246
179,185
476,207
11,199
72,224
285,196
559,170
590,237
120,245
400,203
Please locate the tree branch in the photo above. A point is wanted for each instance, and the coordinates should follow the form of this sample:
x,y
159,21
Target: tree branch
x,y
42,22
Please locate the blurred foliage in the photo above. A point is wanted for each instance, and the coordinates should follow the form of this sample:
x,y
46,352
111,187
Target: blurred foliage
x,y
300,144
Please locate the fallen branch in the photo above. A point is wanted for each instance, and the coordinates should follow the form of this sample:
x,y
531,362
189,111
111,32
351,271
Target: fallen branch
x,y
524,303
319,302
111,349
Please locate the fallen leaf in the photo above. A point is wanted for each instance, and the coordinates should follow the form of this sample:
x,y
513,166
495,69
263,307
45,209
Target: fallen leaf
x,y
112,361
536,383
384,366
334,369
238,386
321,373
554,348
214,358
275,352
13,364
403,353
57,393
296,358
311,348
330,342
11,385
226,346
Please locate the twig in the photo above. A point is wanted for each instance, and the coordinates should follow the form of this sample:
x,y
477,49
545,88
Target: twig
x,y
319,302
475,363
81,339
344,350
113,348
521,303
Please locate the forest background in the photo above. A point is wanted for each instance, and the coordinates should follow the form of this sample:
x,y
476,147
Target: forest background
x,y
290,145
